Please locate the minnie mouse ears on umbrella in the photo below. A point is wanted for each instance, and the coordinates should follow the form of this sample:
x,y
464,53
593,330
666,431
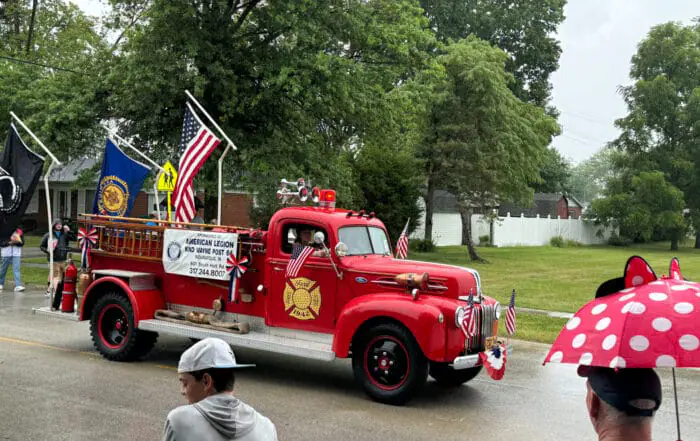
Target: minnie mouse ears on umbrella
x,y
636,321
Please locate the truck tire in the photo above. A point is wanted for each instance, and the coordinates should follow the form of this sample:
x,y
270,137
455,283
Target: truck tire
x,y
389,364
113,332
446,376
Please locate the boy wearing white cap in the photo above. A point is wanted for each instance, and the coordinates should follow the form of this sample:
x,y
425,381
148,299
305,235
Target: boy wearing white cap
x,y
206,372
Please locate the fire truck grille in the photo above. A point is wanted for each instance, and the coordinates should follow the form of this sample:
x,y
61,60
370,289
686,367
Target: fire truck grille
x,y
485,318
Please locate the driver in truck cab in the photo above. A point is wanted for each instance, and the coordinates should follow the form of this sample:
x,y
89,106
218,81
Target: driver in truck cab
x,y
305,239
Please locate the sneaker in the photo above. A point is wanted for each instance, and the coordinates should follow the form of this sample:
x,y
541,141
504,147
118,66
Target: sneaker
x,y
47,293
0,288
19,288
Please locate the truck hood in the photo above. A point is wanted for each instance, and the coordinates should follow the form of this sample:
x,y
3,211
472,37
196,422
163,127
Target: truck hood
x,y
379,271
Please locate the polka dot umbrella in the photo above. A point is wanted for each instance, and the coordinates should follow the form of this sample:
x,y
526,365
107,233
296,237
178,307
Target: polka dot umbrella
x,y
637,321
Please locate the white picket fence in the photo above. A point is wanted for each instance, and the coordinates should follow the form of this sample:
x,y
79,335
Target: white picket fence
x,y
513,231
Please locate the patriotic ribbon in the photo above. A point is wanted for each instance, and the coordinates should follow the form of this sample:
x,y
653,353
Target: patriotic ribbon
x,y
236,268
494,360
86,239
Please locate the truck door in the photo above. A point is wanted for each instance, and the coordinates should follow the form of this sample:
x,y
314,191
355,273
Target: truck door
x,y
307,301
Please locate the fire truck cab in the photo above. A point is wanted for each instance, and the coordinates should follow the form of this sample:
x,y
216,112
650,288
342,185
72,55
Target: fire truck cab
x,y
398,320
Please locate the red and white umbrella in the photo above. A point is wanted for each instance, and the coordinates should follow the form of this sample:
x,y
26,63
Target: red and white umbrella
x,y
648,322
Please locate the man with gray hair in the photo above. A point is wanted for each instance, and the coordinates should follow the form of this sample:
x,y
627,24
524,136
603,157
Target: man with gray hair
x,y
622,402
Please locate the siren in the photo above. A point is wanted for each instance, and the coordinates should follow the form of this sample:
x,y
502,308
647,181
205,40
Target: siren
x,y
303,194
316,195
328,198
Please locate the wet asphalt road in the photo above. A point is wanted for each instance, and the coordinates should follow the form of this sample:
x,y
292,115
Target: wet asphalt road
x,y
54,386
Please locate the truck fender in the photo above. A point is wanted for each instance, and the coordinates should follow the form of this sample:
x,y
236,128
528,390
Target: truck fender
x,y
420,317
145,302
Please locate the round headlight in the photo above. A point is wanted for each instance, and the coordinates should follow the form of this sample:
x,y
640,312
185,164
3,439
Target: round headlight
x,y
497,310
459,316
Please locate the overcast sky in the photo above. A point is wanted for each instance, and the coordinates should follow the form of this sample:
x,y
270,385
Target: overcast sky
x,y
598,39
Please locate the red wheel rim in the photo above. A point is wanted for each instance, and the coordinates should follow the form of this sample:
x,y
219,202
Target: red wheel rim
x,y
386,362
113,326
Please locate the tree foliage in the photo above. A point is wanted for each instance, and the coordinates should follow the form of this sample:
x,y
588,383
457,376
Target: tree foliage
x,y
481,142
60,103
555,173
522,28
588,180
660,132
295,83
644,207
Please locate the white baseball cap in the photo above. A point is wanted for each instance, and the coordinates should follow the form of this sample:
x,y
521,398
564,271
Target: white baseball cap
x,y
208,353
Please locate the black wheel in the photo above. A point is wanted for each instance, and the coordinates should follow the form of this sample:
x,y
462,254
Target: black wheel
x,y
112,329
444,375
389,364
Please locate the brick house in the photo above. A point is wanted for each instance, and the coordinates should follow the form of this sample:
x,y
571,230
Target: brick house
x,y
68,199
546,204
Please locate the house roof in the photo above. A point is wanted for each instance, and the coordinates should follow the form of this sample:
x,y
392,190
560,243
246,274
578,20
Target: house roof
x,y
70,171
444,202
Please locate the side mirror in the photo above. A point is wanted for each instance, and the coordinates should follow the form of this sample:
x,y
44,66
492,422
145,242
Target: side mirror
x,y
319,237
341,249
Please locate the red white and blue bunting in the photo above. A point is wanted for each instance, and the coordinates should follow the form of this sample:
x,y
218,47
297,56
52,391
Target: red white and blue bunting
x,y
87,239
236,269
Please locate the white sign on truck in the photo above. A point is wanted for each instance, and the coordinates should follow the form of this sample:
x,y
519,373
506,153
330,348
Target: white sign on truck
x,y
199,254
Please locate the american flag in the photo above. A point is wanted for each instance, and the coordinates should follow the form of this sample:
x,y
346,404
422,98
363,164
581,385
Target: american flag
x,y
299,255
510,315
469,320
196,145
402,243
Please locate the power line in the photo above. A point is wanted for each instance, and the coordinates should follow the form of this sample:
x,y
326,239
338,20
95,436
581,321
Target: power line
x,y
17,60
587,118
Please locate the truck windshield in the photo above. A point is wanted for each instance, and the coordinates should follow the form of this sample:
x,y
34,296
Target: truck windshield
x,y
364,240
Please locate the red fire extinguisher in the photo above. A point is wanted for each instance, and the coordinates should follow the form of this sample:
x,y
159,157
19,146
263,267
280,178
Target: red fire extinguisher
x,y
68,295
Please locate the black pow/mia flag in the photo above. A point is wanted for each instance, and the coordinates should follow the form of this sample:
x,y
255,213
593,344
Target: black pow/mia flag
x,y
20,169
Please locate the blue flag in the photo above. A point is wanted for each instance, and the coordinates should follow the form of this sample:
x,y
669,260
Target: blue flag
x,y
120,181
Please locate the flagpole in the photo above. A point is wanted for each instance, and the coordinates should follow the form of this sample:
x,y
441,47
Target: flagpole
x,y
50,239
223,155
199,106
125,142
54,162
41,144
220,166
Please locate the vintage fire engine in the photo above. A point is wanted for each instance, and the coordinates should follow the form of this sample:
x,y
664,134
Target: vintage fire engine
x,y
398,320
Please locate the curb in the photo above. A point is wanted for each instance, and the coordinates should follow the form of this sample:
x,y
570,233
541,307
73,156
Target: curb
x,y
555,314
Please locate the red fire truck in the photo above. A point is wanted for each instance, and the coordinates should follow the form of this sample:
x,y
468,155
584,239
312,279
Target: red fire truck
x,y
398,320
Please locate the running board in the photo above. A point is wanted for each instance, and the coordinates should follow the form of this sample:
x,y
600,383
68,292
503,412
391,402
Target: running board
x,y
45,310
251,340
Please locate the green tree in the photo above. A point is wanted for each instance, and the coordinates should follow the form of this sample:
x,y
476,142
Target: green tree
x,y
555,173
297,84
61,102
480,141
661,130
524,29
588,179
642,207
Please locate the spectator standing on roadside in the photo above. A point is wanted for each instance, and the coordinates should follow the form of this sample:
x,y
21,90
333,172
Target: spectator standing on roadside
x,y
622,403
11,253
60,241
206,373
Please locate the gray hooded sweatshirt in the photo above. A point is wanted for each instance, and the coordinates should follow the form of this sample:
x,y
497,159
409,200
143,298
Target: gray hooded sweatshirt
x,y
220,417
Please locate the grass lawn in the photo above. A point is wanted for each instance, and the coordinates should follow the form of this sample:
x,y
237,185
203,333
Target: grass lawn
x,y
534,327
32,241
558,279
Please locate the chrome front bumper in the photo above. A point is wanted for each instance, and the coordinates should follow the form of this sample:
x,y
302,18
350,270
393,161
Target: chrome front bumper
x,y
473,360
